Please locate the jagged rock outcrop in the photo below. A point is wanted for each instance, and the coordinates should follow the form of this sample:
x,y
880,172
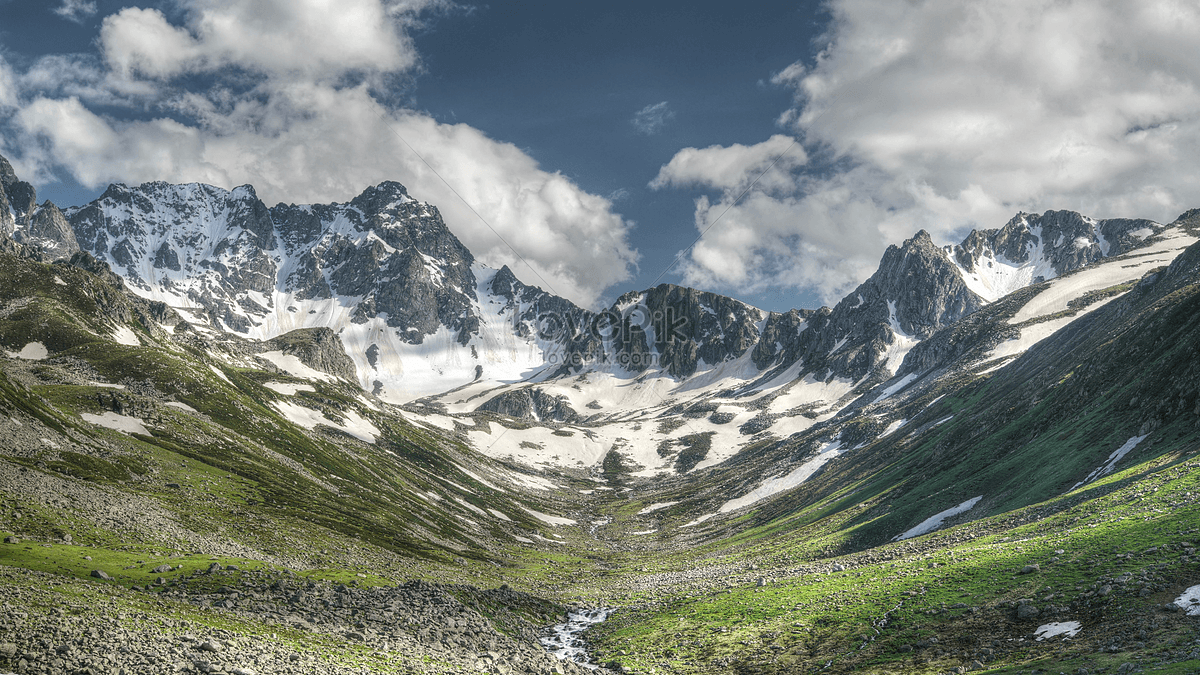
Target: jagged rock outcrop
x,y
533,404
693,327
384,247
47,228
318,348
537,313
40,231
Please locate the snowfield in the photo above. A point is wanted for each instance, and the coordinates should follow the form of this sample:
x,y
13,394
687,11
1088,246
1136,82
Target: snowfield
x,y
308,418
774,486
1189,601
1066,629
935,521
288,388
34,351
122,423
1108,273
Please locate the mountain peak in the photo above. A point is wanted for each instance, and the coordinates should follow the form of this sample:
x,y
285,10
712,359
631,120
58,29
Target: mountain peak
x,y
1033,247
7,175
921,238
381,197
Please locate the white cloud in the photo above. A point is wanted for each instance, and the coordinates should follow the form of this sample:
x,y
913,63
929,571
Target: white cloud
x,y
949,115
85,77
8,85
311,142
76,10
291,112
142,42
308,38
735,167
769,241
651,119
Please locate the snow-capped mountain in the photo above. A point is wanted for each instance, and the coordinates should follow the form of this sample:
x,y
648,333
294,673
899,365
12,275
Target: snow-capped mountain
x,y
421,319
1030,248
407,299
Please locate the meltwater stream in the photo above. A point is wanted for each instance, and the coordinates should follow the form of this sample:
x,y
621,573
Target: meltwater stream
x,y
566,639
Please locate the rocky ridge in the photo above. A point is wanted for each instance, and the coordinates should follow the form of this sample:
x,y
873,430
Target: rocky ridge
x,y
43,229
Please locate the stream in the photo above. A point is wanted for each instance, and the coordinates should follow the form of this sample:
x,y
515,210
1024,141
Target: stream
x,y
566,639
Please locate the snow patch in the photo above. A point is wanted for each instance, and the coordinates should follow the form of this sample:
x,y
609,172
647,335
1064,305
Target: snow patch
x,y
548,519
308,418
891,428
904,381
1111,462
288,388
122,423
1065,629
181,406
655,507
699,520
123,335
1189,601
295,367
1030,336
34,351
470,506
935,521
774,486
477,478
902,343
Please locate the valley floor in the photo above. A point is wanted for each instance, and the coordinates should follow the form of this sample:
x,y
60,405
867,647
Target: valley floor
x,y
1093,581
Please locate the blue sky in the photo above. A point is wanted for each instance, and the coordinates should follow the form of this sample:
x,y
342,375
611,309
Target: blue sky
x,y
565,82
587,145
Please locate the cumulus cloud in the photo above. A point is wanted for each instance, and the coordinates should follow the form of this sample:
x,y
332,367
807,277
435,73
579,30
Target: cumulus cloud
x,y
8,85
571,238
142,41
76,10
311,38
735,167
298,119
651,119
947,116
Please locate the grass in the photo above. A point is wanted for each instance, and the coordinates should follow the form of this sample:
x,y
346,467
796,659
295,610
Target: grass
x,y
330,508
126,567
936,586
